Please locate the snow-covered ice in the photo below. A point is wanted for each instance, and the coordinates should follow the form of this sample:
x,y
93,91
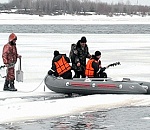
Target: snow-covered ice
x,y
37,52
72,19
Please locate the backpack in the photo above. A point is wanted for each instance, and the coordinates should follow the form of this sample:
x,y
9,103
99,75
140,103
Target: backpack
x,y
73,52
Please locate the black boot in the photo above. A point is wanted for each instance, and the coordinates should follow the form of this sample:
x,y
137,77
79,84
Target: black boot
x,y
6,87
12,87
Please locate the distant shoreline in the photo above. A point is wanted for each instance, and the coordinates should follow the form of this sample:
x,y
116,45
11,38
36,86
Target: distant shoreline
x,y
71,19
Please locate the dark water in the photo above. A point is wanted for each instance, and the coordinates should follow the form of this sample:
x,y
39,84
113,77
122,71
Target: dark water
x,y
78,29
129,118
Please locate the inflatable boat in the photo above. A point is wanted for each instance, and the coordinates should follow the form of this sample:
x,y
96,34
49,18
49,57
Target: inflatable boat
x,y
88,86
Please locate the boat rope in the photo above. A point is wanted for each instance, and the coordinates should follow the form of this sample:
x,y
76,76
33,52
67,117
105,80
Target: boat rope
x,y
34,88
38,86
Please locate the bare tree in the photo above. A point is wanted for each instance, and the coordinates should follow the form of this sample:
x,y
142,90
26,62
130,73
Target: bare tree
x,y
76,7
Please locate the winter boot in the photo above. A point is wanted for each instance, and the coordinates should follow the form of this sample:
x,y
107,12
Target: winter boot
x,y
12,87
6,87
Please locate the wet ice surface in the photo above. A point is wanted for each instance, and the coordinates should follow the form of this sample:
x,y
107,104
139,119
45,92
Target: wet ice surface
x,y
131,50
36,110
136,118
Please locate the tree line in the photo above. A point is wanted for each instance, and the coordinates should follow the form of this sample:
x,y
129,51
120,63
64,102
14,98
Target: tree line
x,y
75,7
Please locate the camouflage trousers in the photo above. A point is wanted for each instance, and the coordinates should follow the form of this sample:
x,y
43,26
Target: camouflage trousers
x,y
10,73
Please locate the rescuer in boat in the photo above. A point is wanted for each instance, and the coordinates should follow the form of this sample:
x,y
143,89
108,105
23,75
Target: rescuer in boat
x,y
10,56
78,54
94,68
60,66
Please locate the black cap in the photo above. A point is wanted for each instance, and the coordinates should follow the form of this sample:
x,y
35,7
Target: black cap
x,y
83,40
56,53
97,53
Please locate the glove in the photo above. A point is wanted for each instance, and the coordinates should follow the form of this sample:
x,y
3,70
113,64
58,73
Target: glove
x,y
6,65
50,72
102,69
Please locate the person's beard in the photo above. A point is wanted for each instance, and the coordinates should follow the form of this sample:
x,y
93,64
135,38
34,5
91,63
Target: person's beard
x,y
96,58
12,43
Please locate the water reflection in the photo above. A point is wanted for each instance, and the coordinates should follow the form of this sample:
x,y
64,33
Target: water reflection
x,y
114,119
85,121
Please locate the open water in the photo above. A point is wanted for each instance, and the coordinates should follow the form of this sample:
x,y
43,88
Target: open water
x,y
128,118
78,29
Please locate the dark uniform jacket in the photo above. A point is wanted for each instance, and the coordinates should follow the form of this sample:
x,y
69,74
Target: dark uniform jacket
x,y
92,68
61,67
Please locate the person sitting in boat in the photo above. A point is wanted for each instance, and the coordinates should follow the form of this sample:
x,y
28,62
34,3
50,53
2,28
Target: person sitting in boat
x,y
94,68
60,66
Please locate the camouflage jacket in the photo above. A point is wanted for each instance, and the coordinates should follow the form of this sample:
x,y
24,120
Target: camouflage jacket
x,y
9,54
80,56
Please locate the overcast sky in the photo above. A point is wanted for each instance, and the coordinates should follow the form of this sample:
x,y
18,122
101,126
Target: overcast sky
x,y
140,2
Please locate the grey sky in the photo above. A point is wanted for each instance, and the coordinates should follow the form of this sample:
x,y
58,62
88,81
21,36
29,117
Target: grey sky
x,y
139,2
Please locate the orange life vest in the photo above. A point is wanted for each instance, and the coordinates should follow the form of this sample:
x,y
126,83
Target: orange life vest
x,y
89,71
62,66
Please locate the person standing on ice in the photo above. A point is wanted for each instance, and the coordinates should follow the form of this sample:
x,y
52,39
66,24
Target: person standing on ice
x,y
10,56
78,54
